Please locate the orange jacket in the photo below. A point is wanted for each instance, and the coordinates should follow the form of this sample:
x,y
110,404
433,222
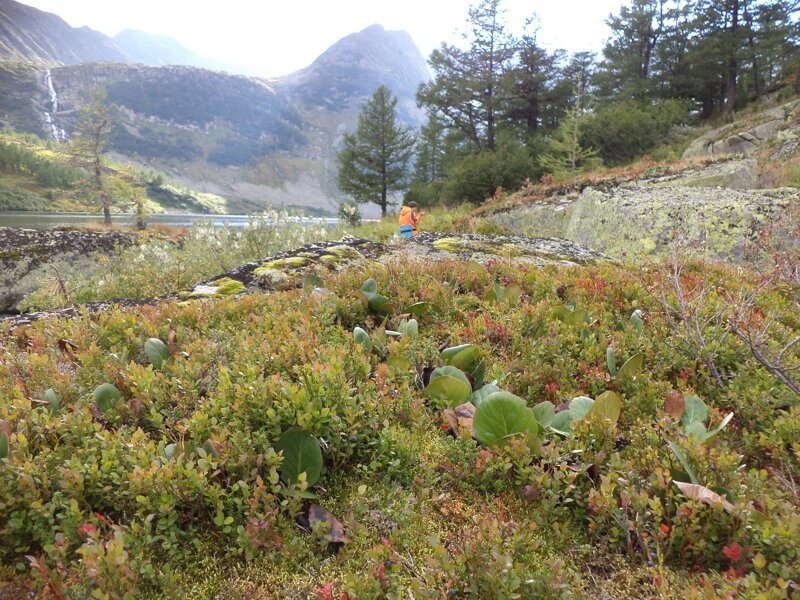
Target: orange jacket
x,y
408,216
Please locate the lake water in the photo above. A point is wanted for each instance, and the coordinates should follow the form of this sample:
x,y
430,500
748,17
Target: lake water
x,y
38,220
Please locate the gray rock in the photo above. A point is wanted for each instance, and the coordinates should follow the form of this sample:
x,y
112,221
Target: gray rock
x,y
28,257
733,174
637,222
736,138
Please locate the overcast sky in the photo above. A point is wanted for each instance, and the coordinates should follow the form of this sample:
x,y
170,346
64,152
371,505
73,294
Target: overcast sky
x,y
275,37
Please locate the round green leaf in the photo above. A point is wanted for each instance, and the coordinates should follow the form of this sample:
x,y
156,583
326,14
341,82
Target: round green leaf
x,y
503,416
3,445
695,410
370,286
156,351
417,308
561,423
449,386
106,396
579,407
632,366
301,454
611,361
545,412
362,337
52,400
482,393
467,359
607,405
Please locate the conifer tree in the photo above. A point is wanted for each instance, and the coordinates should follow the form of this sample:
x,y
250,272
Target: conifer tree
x,y
86,148
565,153
373,163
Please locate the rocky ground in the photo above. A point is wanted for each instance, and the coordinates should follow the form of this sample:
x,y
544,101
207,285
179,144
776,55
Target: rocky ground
x,y
780,124
643,219
300,267
29,255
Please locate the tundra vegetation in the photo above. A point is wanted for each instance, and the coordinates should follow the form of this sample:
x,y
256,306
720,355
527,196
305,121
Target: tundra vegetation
x,y
434,429
420,429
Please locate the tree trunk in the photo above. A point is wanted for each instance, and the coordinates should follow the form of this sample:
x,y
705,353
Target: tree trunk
x,y
733,66
797,79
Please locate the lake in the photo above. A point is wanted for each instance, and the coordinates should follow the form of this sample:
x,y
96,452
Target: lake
x,y
39,220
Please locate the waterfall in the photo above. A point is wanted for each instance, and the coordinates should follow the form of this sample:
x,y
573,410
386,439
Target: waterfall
x,y
58,133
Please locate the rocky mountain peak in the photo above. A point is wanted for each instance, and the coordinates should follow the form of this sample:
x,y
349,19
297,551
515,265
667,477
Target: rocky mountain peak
x,y
356,65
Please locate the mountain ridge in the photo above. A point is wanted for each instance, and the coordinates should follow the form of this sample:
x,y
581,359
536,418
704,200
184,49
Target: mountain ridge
x,y
260,142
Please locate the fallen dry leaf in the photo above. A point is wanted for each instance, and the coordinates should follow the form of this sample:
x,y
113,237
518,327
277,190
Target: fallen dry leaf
x,y
675,404
703,494
318,515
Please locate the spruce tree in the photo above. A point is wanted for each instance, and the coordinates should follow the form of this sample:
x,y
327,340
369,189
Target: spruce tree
x,y
373,163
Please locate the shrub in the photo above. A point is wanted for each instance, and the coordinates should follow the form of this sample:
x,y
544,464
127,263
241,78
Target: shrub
x,y
628,130
478,176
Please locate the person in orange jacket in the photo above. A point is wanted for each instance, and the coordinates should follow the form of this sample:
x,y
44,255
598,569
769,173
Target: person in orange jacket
x,y
409,218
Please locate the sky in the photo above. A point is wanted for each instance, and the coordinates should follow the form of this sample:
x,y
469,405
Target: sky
x,y
276,37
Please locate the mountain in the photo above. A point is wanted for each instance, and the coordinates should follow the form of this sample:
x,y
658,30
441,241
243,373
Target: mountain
x,y
32,35
357,65
159,50
257,142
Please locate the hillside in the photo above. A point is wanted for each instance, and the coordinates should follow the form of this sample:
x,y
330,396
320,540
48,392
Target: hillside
x,y
257,142
39,176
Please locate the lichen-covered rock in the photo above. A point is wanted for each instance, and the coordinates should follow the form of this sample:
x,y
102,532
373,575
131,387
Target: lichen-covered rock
x,y
639,221
733,174
471,246
29,256
274,279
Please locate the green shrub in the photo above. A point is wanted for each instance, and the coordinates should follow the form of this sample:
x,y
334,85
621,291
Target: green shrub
x,y
477,177
628,130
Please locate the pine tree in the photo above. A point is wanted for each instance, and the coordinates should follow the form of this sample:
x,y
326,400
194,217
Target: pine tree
x,y
529,85
86,148
430,151
630,51
373,163
466,87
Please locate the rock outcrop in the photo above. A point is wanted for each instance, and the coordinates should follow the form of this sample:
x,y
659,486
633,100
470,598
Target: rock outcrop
x,y
643,219
743,137
289,270
29,256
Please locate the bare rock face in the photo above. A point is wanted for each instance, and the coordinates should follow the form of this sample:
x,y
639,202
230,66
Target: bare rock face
x,y
29,256
736,138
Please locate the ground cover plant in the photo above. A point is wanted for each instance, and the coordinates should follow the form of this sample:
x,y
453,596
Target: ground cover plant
x,y
166,264
404,430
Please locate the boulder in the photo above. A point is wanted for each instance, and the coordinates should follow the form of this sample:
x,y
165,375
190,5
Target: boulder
x,y
30,256
741,138
733,174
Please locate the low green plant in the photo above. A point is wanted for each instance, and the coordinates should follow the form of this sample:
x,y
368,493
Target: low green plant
x,y
302,457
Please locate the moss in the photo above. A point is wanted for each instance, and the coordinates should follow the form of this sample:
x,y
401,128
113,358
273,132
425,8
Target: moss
x,y
448,245
310,255
292,262
228,287
343,251
330,259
